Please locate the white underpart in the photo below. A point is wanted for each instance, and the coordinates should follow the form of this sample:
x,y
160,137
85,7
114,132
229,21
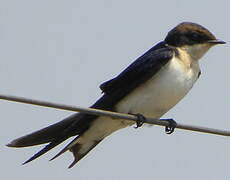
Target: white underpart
x,y
153,98
197,51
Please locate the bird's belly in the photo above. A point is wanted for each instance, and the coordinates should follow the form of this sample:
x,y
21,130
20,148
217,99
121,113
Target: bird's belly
x,y
159,94
152,99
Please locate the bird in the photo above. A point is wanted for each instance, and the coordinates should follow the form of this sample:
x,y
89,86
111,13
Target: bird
x,y
149,87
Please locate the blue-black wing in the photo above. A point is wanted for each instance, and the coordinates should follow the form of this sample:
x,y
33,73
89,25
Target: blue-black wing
x,y
136,74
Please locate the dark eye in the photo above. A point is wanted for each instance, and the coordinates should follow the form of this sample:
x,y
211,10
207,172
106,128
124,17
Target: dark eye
x,y
194,36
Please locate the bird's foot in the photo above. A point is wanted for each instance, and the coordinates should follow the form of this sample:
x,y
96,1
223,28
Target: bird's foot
x,y
140,120
170,128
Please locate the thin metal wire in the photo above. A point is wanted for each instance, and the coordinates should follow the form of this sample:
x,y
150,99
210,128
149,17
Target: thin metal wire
x,y
115,115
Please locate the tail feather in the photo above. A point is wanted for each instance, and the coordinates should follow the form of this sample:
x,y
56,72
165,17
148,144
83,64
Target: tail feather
x,y
44,135
78,155
45,149
76,147
66,148
55,134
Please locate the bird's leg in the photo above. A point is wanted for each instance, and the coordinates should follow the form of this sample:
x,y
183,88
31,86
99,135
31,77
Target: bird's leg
x,y
140,119
172,125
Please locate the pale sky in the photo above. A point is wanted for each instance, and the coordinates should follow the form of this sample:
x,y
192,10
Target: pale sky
x,y
61,51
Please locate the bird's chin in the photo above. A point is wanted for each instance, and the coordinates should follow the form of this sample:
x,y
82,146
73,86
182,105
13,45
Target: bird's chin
x,y
197,51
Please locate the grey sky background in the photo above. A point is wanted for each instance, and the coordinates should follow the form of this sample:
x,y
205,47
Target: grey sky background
x,y
61,51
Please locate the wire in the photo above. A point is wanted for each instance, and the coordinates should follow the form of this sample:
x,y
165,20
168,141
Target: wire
x,y
115,115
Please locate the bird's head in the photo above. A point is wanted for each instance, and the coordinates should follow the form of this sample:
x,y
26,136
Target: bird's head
x,y
193,38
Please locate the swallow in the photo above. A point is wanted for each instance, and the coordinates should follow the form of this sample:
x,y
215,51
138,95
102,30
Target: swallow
x,y
153,84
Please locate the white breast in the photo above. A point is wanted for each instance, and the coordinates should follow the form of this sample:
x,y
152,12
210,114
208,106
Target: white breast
x,y
163,91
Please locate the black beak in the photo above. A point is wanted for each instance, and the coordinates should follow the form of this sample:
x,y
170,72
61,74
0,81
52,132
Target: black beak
x,y
216,41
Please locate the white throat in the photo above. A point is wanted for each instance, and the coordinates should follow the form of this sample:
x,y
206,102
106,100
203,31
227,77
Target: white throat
x,y
196,51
